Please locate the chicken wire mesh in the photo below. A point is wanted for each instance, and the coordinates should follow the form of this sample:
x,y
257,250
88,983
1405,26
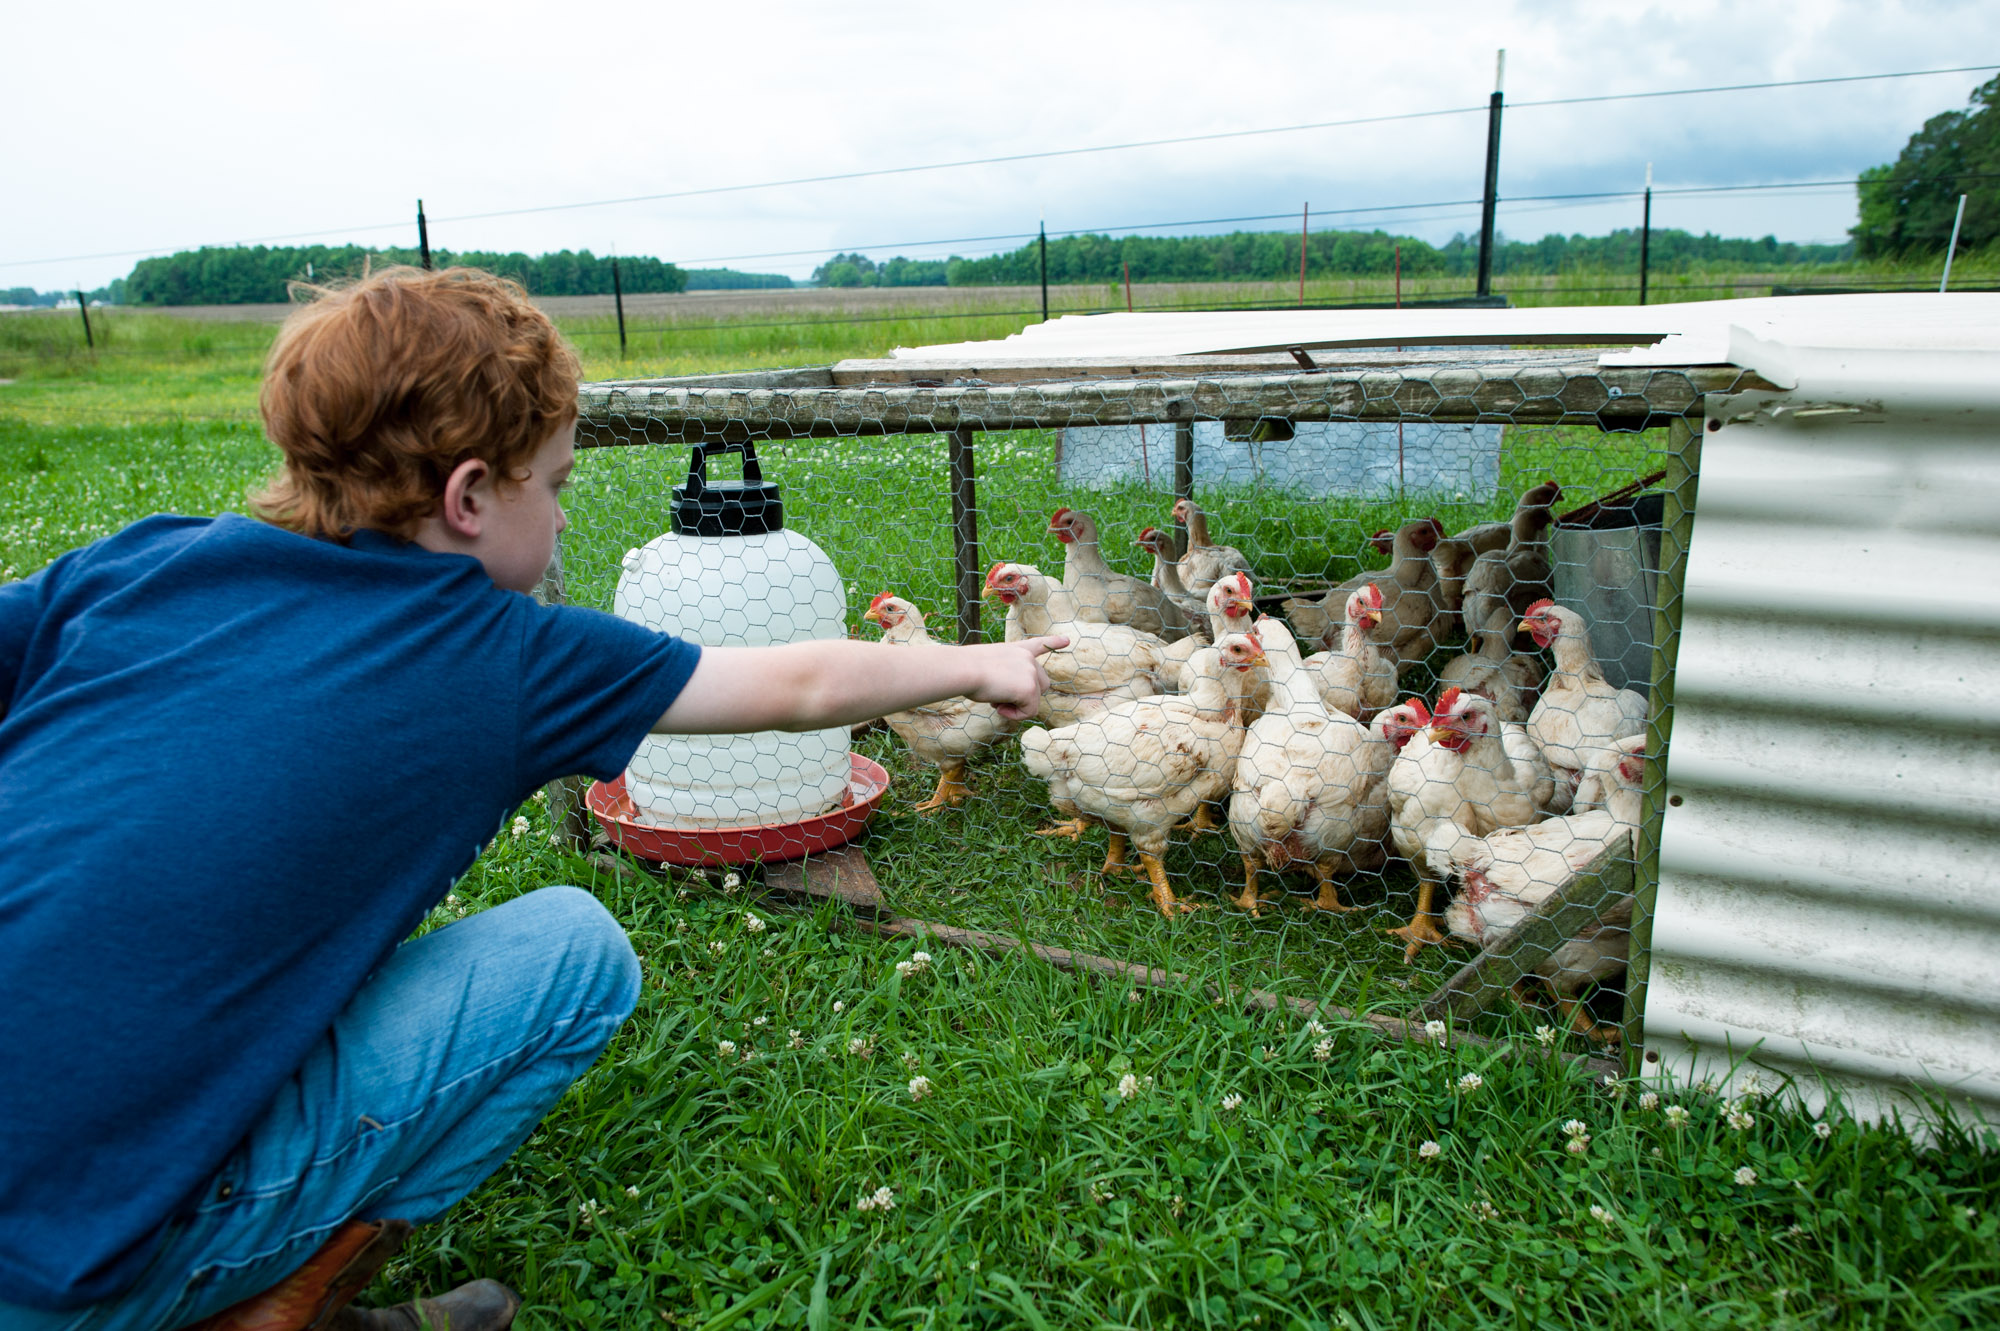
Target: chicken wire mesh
x,y
1350,727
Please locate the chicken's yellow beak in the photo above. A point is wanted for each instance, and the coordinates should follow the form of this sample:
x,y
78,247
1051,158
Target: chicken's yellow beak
x,y
1438,734
872,616
1525,626
989,590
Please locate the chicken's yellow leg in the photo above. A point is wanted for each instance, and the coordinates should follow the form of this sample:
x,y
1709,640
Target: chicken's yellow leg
x,y
1071,829
1114,858
1329,896
1203,821
1577,1017
951,788
1422,930
1248,901
1163,895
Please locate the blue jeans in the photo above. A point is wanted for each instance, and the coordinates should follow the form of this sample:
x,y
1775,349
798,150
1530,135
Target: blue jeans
x,y
439,1068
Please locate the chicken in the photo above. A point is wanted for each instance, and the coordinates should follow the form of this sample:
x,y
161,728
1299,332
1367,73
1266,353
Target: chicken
x,y
1204,564
1142,766
1412,618
1453,558
1579,712
1308,787
1102,593
1167,577
945,734
1103,662
1471,777
1490,666
1229,610
1520,572
1500,878
1356,677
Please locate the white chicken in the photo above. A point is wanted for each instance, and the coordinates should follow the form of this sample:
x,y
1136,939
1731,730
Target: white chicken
x,y
1103,662
1471,777
1103,593
1140,767
1501,877
1356,677
1308,789
1454,556
1204,563
945,734
1167,577
1579,712
1490,666
1413,619
1229,610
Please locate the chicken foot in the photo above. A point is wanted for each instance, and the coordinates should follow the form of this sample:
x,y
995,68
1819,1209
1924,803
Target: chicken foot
x,y
1202,822
1248,901
951,789
1422,931
1163,892
1329,895
1073,829
1114,857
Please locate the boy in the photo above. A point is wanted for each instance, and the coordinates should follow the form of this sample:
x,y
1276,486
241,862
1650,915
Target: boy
x,y
241,760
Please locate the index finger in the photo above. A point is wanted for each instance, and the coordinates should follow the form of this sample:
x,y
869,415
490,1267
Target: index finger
x,y
1048,642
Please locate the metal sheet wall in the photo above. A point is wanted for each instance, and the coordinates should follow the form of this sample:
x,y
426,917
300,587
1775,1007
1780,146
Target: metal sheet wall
x,y
1827,904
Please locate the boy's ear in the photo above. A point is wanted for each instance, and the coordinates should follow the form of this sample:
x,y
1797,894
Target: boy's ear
x,y
466,492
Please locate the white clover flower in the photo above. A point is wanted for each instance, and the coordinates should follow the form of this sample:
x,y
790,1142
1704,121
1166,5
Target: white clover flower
x,y
451,898
520,827
1101,1193
1601,1215
731,881
680,926
1677,1115
1231,1102
717,948
1970,1214
1575,1127
1323,1051
1128,1086
904,970
760,1021
1746,1176
838,1007
882,1199
1429,1151
1649,1101
1177,1206
1706,1086
1822,1129
920,1087
1434,1031
1470,1082
727,1048
752,923
1131,995
1545,1035
1485,1210
910,1060
770,954
1267,1051
1741,1121
1751,1086
1315,1029
632,1191
1579,1145
860,1048
921,960
795,1038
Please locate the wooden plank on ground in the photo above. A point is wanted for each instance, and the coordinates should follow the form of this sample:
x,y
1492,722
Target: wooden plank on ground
x,y
1513,956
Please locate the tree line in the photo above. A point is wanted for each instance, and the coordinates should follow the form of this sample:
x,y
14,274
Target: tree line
x,y
250,274
1908,205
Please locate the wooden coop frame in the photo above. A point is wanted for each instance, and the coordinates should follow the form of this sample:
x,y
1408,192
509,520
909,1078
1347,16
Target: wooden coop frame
x,y
1544,385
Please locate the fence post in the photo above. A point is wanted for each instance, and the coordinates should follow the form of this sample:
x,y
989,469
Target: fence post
x,y
618,297
423,237
1183,474
83,308
1305,233
1646,234
1952,248
965,536
1492,197
1045,272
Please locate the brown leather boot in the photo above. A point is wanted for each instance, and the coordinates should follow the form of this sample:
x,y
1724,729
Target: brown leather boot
x,y
308,1298
479,1305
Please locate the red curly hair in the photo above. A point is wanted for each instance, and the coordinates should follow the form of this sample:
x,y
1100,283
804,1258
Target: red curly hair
x,y
377,390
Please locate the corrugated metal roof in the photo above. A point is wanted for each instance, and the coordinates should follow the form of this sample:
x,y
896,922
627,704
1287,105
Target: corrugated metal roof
x,y
1826,906
1690,333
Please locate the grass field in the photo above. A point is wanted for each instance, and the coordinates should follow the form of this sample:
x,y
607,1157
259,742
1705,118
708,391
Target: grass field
x,y
1253,1171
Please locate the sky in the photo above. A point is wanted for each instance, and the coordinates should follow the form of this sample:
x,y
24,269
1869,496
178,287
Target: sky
x,y
141,128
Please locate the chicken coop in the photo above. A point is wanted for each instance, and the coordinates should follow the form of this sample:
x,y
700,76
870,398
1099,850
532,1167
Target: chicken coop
x,y
1647,706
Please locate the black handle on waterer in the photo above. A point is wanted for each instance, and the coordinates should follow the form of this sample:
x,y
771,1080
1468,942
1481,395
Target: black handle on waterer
x,y
749,507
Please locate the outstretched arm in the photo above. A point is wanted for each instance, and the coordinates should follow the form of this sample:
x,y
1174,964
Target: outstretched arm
x,y
835,682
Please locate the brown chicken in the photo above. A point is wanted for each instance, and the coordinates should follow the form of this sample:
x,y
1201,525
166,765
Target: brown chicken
x,y
1455,555
1413,620
1204,562
1520,572
1490,666
945,734
1167,577
1357,677
1102,593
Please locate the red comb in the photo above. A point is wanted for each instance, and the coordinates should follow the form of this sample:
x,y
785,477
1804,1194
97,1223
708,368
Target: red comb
x,y
1417,705
1539,606
998,564
1373,594
1057,516
1448,700
1243,581
1148,536
880,597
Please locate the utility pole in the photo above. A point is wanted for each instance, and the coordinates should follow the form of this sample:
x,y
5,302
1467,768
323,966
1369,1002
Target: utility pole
x,y
423,237
1045,270
1646,234
83,304
1492,197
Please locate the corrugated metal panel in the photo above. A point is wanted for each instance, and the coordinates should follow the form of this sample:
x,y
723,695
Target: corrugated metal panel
x,y
1827,905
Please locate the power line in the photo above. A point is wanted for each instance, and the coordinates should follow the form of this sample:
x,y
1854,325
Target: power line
x,y
1045,154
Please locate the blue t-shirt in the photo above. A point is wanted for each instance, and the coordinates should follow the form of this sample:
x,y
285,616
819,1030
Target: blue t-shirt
x,y
237,767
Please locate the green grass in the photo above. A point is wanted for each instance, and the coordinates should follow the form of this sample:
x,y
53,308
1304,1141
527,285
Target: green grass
x,y
1028,1191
